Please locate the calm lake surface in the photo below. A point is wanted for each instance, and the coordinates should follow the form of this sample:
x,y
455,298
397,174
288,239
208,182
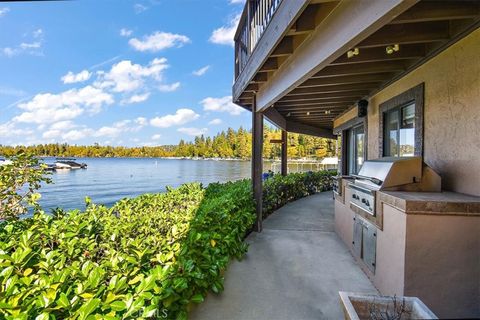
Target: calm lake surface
x,y
107,180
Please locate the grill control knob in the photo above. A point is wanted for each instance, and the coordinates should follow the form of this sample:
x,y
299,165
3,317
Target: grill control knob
x,y
367,203
363,200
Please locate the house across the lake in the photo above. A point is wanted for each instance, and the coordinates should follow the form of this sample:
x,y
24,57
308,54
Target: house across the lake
x,y
397,82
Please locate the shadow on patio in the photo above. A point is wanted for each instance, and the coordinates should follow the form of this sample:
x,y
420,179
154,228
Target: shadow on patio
x,y
294,269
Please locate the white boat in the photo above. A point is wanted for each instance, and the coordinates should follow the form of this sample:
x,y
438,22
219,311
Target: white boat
x,y
5,162
62,166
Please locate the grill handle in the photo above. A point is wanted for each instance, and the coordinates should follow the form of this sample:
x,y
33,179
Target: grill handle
x,y
376,181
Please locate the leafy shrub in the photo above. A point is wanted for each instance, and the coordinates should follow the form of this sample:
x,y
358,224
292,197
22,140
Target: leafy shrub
x,y
144,257
279,190
19,181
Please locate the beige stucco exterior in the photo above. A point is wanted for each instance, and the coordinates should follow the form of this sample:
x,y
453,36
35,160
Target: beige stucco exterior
x,y
451,114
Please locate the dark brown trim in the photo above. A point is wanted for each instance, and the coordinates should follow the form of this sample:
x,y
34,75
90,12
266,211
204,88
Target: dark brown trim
x,y
415,94
342,130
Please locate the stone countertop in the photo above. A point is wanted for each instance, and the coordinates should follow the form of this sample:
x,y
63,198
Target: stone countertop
x,y
432,203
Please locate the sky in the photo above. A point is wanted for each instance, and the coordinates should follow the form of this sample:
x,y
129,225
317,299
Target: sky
x,y
117,72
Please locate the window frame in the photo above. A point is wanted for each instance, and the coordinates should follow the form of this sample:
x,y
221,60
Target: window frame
x,y
342,131
413,95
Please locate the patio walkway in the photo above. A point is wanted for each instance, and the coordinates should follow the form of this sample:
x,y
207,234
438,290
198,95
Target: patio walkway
x,y
293,269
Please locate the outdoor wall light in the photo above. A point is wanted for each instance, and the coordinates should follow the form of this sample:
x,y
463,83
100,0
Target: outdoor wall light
x,y
392,49
327,111
353,52
308,113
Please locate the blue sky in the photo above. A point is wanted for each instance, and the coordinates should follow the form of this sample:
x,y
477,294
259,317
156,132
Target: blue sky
x,y
147,72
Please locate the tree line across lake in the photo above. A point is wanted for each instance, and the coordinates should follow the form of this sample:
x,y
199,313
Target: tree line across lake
x,y
226,144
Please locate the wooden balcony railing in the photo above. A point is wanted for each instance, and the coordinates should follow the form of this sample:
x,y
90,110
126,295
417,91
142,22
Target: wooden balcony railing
x,y
254,20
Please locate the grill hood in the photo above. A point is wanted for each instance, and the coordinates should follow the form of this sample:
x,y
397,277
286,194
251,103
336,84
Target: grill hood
x,y
393,173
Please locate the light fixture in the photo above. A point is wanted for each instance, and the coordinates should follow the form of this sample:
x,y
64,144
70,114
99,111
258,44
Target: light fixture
x,y
327,111
289,114
308,113
353,52
392,49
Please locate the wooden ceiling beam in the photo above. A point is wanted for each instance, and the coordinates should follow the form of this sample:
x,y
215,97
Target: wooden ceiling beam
x,y
324,96
271,64
330,89
313,107
260,77
362,68
315,103
340,80
406,52
439,11
285,47
252,87
421,32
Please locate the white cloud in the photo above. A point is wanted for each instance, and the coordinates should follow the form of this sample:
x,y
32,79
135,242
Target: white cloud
x,y
71,77
193,131
4,11
141,121
9,129
158,41
126,76
139,8
137,98
223,104
237,1
57,129
37,33
215,122
77,134
124,32
182,116
33,47
156,137
63,125
201,71
225,34
169,87
47,108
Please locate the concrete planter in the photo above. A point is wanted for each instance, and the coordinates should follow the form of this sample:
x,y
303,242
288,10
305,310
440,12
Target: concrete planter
x,y
357,306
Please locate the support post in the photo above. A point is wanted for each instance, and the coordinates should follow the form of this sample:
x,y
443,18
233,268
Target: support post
x,y
284,153
257,163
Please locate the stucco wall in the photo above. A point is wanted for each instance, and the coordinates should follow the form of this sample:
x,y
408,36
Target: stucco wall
x,y
442,263
451,114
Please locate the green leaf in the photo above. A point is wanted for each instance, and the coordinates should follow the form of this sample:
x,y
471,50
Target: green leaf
x,y
88,308
198,298
118,305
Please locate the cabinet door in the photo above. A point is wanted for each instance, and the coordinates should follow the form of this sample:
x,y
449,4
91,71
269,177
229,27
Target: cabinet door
x,y
369,246
357,236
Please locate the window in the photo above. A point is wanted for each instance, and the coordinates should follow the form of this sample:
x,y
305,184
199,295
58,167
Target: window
x,y
401,124
399,131
355,149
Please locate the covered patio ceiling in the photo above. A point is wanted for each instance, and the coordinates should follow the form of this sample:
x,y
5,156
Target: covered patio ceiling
x,y
403,44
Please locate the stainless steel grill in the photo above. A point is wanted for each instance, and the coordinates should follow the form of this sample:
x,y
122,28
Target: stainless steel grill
x,y
393,174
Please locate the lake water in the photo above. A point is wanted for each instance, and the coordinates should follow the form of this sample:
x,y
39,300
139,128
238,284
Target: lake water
x,y
107,180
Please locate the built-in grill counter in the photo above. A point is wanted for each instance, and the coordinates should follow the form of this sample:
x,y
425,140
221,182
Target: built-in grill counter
x,y
411,238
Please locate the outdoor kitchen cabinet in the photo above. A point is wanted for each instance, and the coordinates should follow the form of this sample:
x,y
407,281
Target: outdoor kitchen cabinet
x,y
365,242
429,248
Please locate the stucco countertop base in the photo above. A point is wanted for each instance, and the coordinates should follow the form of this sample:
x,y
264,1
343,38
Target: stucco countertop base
x,y
432,203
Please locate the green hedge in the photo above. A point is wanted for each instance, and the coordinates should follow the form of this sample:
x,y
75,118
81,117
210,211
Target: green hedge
x,y
147,257
279,190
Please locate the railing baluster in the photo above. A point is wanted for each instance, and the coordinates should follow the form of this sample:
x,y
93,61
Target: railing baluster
x,y
251,27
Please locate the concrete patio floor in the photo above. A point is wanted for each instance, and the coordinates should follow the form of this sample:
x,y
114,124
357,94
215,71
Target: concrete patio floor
x,y
294,269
